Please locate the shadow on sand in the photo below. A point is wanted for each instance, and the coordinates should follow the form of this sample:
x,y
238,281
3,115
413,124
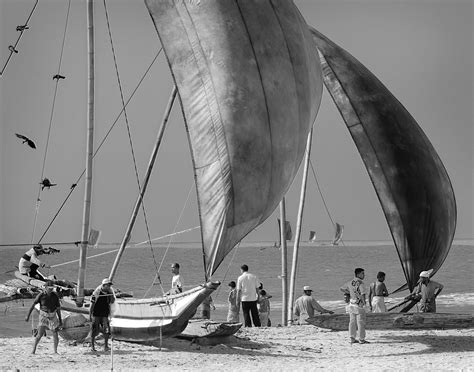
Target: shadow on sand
x,y
434,343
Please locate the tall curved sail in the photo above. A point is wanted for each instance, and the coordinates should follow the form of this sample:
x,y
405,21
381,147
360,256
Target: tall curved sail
x,y
249,91
411,182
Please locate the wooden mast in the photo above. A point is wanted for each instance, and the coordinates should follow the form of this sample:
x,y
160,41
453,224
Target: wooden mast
x,y
144,186
284,265
298,225
90,153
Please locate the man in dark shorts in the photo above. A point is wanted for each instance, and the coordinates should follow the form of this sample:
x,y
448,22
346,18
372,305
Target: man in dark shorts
x,y
49,315
99,312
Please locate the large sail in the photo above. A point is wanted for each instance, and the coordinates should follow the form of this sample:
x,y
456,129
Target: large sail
x,y
411,182
249,96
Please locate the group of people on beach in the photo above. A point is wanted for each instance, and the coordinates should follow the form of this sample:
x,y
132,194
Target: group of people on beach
x,y
355,293
247,293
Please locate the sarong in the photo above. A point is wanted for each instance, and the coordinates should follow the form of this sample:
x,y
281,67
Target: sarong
x,y
378,304
48,320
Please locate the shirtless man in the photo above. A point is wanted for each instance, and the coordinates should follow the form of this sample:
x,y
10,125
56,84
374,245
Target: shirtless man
x,y
49,315
377,292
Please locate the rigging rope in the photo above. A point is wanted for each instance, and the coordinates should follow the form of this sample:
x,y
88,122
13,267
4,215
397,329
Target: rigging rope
x,y
102,141
322,197
56,77
157,276
21,29
129,133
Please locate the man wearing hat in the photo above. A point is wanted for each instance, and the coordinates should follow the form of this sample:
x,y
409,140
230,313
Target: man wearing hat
x,y
426,291
101,299
306,305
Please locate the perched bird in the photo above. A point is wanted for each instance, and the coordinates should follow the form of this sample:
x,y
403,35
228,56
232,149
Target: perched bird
x,y
27,140
46,183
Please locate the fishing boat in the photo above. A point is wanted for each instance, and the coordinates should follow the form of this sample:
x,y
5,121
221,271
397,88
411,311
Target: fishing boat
x,y
409,178
340,322
232,135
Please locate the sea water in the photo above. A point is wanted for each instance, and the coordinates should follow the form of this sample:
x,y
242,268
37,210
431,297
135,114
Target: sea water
x,y
145,272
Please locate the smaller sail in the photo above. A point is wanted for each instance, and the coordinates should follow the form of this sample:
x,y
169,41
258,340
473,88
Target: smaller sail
x,y
94,236
312,236
288,232
338,234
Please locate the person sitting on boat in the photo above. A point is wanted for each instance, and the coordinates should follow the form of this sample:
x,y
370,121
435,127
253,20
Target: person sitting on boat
x,y
377,293
177,280
49,315
426,291
101,299
306,305
29,262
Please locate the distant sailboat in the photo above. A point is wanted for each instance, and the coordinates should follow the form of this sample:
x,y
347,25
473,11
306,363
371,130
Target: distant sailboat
x,y
338,234
288,232
312,236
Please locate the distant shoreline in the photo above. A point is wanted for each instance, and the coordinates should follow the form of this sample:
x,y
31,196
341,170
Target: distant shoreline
x,y
270,244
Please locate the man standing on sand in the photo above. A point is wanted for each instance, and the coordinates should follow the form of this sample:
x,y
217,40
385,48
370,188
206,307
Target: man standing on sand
x,y
377,293
356,290
101,299
306,305
49,315
426,291
247,294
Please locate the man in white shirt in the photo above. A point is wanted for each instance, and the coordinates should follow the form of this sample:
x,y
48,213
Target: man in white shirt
x,y
247,294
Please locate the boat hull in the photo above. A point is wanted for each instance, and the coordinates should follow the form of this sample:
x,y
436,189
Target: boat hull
x,y
152,318
340,322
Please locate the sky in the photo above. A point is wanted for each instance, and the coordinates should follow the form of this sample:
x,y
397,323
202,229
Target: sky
x,y
421,50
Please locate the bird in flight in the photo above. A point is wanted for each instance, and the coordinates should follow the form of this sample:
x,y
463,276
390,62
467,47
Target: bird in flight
x,y
26,140
46,183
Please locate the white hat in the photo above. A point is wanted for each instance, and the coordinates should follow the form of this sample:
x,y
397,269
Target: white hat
x,y
426,274
107,281
307,288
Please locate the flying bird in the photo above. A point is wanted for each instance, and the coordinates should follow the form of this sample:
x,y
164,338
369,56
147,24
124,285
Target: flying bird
x,y
26,140
46,183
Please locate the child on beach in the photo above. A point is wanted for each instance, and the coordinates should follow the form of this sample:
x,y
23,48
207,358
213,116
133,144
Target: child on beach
x,y
264,308
233,313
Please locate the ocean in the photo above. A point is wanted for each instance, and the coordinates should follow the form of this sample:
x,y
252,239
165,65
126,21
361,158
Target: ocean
x,y
323,267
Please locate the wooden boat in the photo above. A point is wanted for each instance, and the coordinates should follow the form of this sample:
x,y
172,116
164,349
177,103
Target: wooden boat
x,y
340,322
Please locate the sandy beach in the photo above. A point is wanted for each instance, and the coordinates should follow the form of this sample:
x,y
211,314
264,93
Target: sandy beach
x,y
258,349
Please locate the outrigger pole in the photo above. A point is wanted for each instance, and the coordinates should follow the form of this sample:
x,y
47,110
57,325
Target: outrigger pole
x,y
298,225
284,264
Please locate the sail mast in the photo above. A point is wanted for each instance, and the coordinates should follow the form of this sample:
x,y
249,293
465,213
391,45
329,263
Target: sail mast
x,y
90,152
284,265
144,186
298,224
